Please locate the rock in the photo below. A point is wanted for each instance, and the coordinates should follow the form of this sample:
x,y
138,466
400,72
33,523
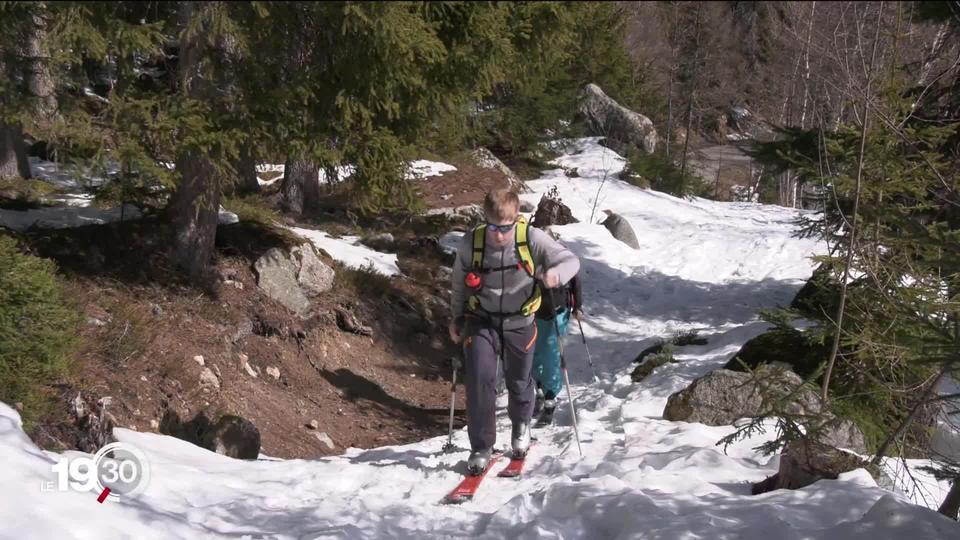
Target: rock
x,y
786,346
348,323
804,462
642,371
231,436
466,216
273,372
608,118
313,424
209,380
552,211
381,242
156,310
527,206
94,424
292,278
154,424
249,370
620,229
226,217
721,397
444,274
244,329
234,436
325,439
656,348
842,433
485,159
314,276
198,359
277,276
143,378
93,321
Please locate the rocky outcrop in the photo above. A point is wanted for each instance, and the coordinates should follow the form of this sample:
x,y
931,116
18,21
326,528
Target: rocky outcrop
x,y
485,159
608,118
551,211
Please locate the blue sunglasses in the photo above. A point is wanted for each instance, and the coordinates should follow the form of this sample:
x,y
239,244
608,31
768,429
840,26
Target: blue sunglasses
x,y
500,228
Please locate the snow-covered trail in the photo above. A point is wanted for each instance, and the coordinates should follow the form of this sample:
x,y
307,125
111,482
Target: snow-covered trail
x,y
702,265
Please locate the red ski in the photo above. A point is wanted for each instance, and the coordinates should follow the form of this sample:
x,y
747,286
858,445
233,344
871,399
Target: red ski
x,y
515,467
468,487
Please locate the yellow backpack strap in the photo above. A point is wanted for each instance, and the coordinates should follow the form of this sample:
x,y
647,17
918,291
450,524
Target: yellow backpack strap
x,y
526,257
479,238
523,246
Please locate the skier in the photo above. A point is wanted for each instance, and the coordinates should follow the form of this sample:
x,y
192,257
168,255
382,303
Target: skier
x,y
552,319
495,294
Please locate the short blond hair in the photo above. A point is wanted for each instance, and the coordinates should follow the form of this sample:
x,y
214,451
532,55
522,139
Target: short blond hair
x,y
501,205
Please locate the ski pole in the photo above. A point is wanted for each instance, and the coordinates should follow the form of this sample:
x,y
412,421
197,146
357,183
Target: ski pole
x,y
566,380
585,346
453,395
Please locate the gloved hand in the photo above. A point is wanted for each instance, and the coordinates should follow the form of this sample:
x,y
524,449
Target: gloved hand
x,y
549,277
456,362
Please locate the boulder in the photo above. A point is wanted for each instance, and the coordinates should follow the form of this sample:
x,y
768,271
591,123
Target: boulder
x,y
235,437
313,275
381,242
608,118
804,462
292,278
787,346
484,158
620,229
230,435
551,211
721,397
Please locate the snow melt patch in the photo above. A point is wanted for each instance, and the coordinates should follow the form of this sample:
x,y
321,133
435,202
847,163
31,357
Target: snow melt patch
x,y
422,168
348,251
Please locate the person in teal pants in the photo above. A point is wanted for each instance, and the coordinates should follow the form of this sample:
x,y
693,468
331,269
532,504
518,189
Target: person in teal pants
x,y
554,314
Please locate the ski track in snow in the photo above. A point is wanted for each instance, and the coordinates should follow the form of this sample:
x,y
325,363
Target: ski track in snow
x,y
702,265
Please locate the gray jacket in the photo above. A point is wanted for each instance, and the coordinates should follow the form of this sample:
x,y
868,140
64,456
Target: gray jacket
x,y
506,290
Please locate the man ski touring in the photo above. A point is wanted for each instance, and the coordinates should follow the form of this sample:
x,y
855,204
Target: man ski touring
x,y
552,319
495,292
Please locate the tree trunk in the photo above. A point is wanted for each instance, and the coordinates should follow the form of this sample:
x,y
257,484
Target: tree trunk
x,y
194,210
194,207
13,153
951,504
686,139
301,186
246,166
39,79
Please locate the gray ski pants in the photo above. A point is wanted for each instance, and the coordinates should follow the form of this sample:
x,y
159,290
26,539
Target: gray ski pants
x,y
482,343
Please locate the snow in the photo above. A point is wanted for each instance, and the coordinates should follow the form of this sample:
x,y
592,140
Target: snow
x,y
350,252
701,264
422,168
419,169
450,242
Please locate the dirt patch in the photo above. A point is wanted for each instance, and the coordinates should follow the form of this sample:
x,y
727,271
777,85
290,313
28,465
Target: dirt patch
x,y
467,185
144,337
